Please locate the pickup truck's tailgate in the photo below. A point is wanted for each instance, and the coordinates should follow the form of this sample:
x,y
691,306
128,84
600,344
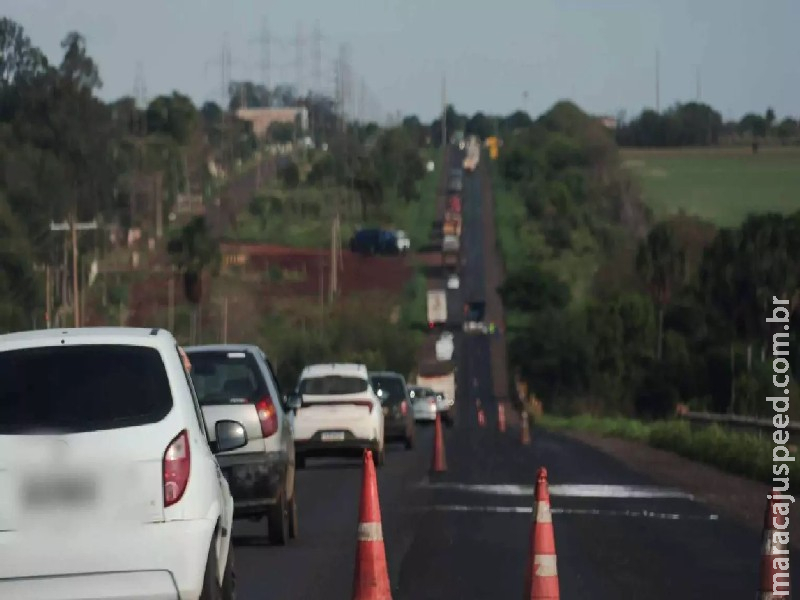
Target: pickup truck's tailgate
x,y
244,413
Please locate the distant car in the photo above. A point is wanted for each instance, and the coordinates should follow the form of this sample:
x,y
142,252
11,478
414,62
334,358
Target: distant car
x,y
338,413
423,401
474,313
454,185
397,413
403,242
453,282
109,485
450,243
238,383
374,241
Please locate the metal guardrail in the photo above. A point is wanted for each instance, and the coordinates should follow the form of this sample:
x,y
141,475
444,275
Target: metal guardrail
x,y
749,424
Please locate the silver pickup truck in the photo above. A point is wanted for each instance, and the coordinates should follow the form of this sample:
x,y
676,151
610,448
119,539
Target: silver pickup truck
x,y
237,383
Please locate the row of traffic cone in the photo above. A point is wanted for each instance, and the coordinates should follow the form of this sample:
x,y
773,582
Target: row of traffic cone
x,y
525,435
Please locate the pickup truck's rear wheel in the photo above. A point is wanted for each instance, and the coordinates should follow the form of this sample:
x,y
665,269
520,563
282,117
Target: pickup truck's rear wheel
x,y
278,521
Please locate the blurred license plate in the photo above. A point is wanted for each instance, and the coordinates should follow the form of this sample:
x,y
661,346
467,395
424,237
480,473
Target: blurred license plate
x,y
333,436
59,491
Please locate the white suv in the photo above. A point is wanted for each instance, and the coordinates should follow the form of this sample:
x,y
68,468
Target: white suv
x,y
338,413
108,486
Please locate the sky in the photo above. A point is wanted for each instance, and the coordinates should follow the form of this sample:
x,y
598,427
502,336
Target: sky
x,y
496,56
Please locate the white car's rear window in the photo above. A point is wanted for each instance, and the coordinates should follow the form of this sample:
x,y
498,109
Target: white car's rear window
x,y
81,388
332,385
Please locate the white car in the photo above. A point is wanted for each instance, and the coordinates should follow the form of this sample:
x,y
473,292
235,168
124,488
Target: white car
x,y
338,413
108,486
453,282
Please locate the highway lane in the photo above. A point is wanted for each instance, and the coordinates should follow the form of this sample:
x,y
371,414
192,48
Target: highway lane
x,y
448,539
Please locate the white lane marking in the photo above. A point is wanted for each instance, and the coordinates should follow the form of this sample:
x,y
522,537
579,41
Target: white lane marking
x,y
646,514
572,490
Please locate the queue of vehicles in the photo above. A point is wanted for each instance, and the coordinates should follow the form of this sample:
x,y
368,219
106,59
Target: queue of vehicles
x,y
117,438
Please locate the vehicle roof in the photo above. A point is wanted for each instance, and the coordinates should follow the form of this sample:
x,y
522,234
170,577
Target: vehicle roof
x,y
224,348
124,336
351,369
386,374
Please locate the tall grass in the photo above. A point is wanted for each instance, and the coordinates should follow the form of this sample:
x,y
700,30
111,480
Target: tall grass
x,y
734,452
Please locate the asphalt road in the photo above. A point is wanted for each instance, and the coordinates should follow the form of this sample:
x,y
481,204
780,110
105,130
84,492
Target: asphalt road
x,y
446,539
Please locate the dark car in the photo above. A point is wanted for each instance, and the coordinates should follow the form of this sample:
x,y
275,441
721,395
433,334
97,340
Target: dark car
x,y
374,241
398,414
237,383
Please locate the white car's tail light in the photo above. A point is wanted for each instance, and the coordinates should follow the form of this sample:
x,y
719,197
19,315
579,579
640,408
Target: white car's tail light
x,y
176,468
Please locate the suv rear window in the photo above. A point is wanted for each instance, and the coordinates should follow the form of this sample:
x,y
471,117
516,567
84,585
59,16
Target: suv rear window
x,y
388,388
81,388
226,377
332,385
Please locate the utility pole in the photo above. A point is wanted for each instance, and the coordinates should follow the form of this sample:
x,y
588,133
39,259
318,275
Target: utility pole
x,y
73,227
658,81
316,59
225,320
266,55
444,113
299,44
171,308
48,297
698,84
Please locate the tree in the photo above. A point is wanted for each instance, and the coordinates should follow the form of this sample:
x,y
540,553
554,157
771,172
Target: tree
x,y
662,265
194,250
20,61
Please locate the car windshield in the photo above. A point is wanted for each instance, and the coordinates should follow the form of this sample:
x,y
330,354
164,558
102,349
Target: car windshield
x,y
388,388
82,388
226,377
333,385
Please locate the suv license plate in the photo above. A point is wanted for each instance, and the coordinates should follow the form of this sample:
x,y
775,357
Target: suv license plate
x,y
333,436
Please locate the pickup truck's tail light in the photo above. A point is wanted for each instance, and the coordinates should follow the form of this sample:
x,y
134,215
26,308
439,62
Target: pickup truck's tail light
x,y
267,416
176,466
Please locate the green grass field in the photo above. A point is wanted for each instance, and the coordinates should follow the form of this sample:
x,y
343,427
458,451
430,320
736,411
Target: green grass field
x,y
720,185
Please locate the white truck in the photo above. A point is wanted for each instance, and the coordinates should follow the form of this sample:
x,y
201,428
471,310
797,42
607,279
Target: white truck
x,y
437,307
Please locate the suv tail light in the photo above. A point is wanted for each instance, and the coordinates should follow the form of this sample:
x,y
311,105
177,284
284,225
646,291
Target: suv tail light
x,y
267,416
404,407
176,466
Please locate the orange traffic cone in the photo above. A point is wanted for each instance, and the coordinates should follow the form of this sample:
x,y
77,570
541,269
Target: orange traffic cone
x,y
439,463
371,580
501,417
526,432
541,573
774,554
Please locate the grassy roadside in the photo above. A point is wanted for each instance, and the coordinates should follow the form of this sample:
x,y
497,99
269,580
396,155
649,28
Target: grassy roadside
x,y
734,452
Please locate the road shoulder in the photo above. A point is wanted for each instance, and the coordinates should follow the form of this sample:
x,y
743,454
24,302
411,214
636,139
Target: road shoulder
x,y
739,498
